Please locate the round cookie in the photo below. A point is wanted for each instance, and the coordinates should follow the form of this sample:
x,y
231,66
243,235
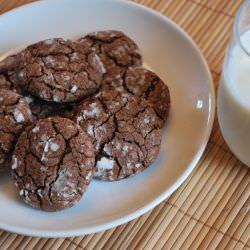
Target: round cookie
x,y
15,114
95,115
53,164
116,50
58,70
145,83
40,109
125,130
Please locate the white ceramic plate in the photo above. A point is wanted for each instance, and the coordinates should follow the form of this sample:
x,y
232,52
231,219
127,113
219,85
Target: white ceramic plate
x,y
169,52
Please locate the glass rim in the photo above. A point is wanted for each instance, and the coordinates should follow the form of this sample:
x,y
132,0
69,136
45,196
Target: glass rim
x,y
236,24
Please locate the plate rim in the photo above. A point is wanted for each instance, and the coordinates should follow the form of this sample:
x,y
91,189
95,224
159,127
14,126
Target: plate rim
x,y
52,233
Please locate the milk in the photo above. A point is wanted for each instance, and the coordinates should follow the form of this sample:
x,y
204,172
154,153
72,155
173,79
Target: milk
x,y
234,100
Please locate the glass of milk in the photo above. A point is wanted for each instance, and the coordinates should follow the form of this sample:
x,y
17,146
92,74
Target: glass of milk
x,y
234,88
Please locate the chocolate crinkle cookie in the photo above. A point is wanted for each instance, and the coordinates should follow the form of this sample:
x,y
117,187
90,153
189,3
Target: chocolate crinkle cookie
x,y
53,164
116,51
59,70
15,114
39,108
145,84
8,64
8,79
126,133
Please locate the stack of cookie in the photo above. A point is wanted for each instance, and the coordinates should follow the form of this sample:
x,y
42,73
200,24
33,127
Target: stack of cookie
x,y
74,110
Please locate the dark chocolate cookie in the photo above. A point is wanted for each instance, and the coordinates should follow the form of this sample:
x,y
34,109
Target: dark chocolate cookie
x,y
125,130
15,114
116,50
39,108
59,70
145,84
8,64
53,164
8,79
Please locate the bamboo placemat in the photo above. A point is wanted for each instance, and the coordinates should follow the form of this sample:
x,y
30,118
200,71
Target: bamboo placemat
x,y
212,208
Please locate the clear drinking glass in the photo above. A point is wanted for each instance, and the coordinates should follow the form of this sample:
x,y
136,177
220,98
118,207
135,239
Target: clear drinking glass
x,y
234,88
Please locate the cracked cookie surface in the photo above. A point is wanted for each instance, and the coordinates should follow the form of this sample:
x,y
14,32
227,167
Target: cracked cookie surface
x,y
39,108
15,114
126,133
59,70
145,84
53,164
8,78
116,51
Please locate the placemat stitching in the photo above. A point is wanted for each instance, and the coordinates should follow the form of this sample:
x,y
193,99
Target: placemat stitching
x,y
239,226
213,143
215,72
246,245
199,217
211,238
197,196
212,9
207,225
189,213
75,243
222,147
